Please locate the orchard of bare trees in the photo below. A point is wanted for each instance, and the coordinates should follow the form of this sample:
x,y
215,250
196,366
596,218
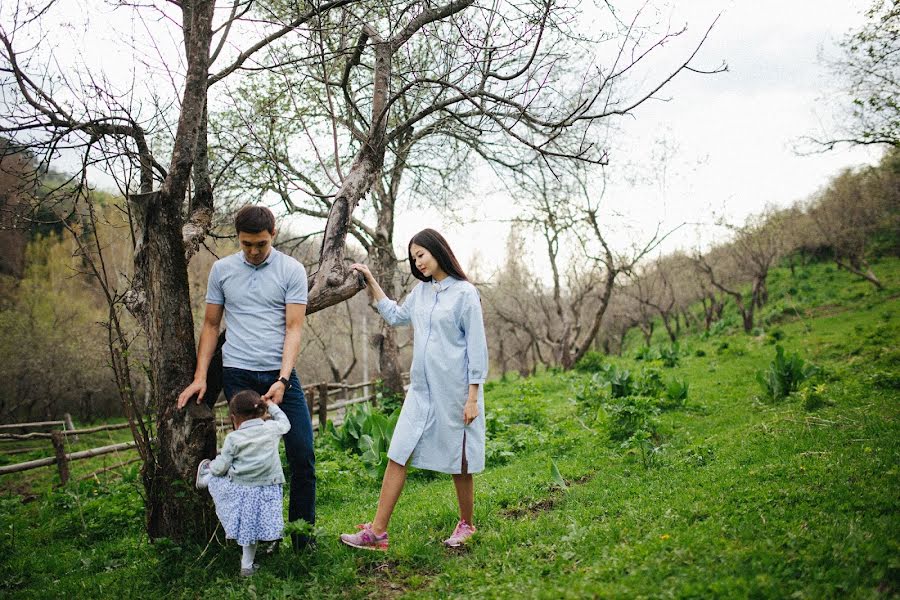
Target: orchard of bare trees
x,y
343,115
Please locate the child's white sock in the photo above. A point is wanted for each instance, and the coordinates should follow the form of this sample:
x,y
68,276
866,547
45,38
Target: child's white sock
x,y
249,555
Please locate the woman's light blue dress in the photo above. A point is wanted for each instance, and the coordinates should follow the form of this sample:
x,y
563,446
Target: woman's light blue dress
x,y
449,353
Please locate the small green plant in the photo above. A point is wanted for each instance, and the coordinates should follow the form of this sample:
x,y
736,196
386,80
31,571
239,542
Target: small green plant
x,y
621,383
784,375
631,414
813,396
775,336
647,353
591,362
556,477
367,433
676,394
699,456
649,383
387,401
670,355
644,441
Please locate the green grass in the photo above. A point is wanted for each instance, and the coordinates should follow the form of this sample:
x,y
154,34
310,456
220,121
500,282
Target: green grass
x,y
744,498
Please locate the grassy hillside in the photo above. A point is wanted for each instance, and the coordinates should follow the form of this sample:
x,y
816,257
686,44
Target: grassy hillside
x,y
732,495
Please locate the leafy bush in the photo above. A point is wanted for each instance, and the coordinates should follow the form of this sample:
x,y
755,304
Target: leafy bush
x,y
631,414
505,439
670,355
591,362
367,433
646,353
650,383
676,394
813,396
621,384
387,400
784,375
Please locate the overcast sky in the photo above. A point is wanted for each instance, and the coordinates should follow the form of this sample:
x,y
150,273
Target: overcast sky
x,y
732,136
735,133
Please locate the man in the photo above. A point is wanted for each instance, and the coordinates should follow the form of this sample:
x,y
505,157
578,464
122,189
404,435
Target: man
x,y
262,294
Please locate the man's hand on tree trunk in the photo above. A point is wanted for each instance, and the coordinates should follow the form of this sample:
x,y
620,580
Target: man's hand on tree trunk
x,y
197,388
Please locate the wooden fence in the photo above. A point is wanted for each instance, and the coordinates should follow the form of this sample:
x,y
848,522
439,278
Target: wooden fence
x,y
321,399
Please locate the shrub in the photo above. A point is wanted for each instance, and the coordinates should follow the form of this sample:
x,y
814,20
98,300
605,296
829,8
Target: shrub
x,y
367,434
784,375
650,383
813,396
621,384
776,335
676,394
631,414
670,355
591,362
646,353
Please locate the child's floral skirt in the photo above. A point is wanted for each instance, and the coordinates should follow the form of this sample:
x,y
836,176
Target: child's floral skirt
x,y
248,513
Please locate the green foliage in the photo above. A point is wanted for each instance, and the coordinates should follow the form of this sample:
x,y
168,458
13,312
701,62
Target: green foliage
x,y
784,375
813,397
385,399
670,354
649,383
591,362
738,501
676,394
556,477
647,353
367,433
631,414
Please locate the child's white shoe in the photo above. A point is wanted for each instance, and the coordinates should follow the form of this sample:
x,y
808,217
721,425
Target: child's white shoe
x,y
249,572
203,474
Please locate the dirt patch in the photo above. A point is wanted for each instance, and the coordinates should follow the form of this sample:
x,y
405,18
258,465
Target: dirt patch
x,y
532,509
389,579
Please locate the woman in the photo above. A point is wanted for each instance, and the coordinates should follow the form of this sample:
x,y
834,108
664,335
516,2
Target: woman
x,y
440,427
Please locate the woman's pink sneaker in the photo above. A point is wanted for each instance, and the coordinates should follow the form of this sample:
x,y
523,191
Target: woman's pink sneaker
x,y
462,533
366,538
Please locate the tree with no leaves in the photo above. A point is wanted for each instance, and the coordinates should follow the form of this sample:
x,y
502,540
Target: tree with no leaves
x,y
171,199
500,86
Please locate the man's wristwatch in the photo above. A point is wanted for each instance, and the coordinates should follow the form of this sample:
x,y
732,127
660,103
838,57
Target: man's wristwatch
x,y
287,384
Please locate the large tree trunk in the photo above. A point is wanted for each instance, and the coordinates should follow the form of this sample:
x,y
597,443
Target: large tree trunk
x,y
183,437
161,301
385,266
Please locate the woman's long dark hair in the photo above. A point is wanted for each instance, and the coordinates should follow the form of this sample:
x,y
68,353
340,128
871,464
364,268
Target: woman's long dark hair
x,y
435,243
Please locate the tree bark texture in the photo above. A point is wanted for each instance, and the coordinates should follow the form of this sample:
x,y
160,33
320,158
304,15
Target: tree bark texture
x,y
161,287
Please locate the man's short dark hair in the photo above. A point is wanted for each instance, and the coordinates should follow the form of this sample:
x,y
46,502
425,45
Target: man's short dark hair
x,y
254,219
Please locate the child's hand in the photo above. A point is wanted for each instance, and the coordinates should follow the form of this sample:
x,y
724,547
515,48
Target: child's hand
x,y
275,394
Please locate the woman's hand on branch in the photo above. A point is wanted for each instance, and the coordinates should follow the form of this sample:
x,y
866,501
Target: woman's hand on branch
x,y
364,270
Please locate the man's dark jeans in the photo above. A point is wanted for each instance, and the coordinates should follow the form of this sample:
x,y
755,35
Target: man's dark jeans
x,y
298,442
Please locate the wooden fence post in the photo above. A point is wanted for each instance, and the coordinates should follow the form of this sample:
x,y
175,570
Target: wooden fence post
x,y
323,405
310,400
70,426
61,461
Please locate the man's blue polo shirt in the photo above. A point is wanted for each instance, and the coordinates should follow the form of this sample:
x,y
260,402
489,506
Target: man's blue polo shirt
x,y
254,298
